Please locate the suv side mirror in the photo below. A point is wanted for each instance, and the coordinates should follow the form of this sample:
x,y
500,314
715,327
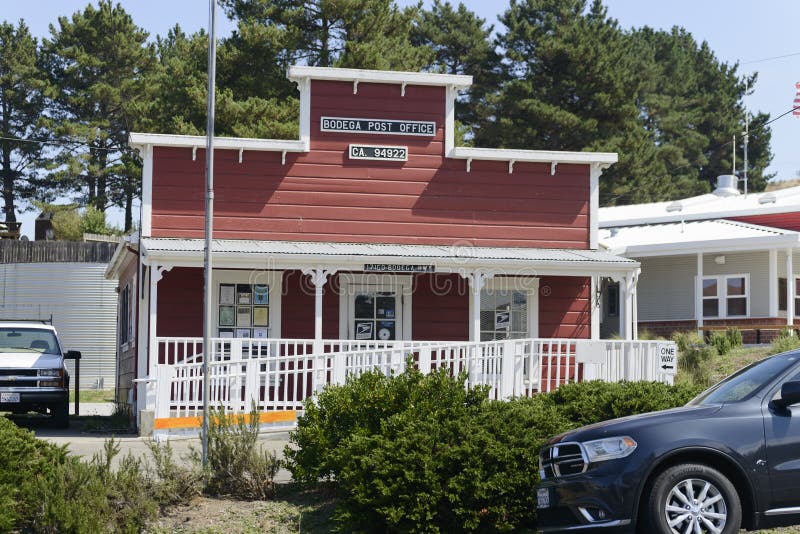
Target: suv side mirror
x,y
790,394
73,355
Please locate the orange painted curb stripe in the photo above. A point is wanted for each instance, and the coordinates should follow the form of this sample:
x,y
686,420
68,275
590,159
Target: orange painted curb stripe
x,y
165,423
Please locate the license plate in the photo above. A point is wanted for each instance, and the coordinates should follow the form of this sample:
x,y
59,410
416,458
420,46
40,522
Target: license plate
x,y
543,498
9,397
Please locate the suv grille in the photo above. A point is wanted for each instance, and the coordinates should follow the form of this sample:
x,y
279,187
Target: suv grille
x,y
561,460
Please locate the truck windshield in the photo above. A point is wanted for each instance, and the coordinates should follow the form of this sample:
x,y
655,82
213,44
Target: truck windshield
x,y
33,340
747,381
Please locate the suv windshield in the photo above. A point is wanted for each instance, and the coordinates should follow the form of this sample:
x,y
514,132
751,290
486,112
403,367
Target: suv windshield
x,y
32,340
743,384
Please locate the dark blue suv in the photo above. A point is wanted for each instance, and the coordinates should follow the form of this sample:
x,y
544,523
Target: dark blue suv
x,y
729,459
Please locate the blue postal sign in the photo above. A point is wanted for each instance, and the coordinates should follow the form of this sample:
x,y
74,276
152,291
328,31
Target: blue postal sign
x,y
377,126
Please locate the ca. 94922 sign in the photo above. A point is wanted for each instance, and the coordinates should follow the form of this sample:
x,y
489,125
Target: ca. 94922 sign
x,y
378,152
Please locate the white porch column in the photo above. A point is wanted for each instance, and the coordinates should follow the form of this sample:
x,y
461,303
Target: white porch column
x,y
596,303
626,314
698,292
789,289
319,277
635,304
773,283
477,279
156,273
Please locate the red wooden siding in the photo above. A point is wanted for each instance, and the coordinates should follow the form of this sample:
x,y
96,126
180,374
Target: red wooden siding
x,y
787,221
440,308
297,307
324,196
180,303
564,307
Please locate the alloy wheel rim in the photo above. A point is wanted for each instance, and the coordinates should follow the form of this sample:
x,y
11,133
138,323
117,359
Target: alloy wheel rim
x,y
695,506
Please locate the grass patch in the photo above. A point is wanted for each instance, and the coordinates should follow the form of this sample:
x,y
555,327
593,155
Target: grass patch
x,y
93,395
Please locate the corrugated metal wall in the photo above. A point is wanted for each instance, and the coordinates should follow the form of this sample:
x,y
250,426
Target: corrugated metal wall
x,y
84,308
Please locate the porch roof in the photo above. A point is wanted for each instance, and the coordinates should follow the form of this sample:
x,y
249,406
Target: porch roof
x,y
233,253
672,239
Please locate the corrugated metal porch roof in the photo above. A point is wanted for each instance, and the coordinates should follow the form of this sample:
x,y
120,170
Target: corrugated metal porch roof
x,y
162,248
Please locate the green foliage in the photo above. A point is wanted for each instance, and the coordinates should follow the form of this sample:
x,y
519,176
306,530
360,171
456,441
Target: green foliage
x,y
720,341
170,482
358,407
585,403
461,468
695,358
236,465
23,460
785,341
734,336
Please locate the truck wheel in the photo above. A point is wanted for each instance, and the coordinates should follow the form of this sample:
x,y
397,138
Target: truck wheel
x,y
60,415
693,498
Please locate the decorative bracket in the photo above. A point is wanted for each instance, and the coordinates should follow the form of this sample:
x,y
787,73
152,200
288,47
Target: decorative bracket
x,y
194,153
241,151
355,87
319,275
403,89
477,279
469,164
157,272
283,157
553,166
511,166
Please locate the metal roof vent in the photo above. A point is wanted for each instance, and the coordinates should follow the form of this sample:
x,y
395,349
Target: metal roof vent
x,y
675,206
727,185
768,198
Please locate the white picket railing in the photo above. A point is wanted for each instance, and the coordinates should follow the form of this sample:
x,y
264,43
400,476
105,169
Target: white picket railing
x,y
279,374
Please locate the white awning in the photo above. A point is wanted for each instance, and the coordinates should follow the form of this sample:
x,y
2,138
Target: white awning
x,y
672,239
252,254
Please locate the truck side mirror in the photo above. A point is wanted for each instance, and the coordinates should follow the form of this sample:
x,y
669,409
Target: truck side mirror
x,y
790,394
73,355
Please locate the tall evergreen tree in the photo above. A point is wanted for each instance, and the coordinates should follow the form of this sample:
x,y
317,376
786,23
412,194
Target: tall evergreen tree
x,y
370,34
462,44
575,81
22,86
98,60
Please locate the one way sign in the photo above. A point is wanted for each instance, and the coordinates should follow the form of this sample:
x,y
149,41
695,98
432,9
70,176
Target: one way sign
x,y
667,358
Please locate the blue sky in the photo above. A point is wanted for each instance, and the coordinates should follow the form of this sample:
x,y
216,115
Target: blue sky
x,y
743,31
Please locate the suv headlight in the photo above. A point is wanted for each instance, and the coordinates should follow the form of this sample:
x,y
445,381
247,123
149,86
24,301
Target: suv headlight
x,y
600,450
49,372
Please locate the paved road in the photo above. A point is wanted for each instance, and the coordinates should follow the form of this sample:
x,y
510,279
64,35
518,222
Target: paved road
x,y
87,444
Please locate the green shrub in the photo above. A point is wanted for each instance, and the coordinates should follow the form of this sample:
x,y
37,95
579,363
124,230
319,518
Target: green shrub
x,y
91,497
461,467
735,337
721,342
23,460
236,464
170,482
585,403
359,406
694,359
785,341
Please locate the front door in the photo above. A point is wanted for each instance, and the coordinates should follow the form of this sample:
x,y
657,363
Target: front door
x,y
376,315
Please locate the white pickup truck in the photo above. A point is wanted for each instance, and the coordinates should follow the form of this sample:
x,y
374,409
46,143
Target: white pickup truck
x,y
33,377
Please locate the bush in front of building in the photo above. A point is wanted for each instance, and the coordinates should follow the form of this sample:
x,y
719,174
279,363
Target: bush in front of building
x,y
695,359
785,341
584,403
456,468
426,454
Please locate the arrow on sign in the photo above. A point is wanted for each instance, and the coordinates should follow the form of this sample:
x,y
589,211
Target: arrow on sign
x,y
667,367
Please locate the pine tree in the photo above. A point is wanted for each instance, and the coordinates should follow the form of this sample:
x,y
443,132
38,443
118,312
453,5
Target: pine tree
x,y
98,60
22,87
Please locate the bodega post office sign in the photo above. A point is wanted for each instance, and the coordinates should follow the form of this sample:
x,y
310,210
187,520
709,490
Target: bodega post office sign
x,y
377,126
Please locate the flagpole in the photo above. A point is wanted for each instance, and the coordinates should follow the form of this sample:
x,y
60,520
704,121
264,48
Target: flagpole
x,y
209,216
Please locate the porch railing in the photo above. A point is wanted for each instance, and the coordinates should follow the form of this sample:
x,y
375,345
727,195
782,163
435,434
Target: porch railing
x,y
279,374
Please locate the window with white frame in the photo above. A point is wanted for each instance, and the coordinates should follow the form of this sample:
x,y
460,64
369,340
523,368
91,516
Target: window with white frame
x,y
245,304
726,296
509,308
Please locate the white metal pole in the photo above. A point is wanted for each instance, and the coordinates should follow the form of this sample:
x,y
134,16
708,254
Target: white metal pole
x,y
207,266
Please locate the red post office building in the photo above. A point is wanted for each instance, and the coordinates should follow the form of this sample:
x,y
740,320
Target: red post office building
x,y
372,226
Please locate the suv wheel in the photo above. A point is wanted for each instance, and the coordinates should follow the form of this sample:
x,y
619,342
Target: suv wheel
x,y
693,498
